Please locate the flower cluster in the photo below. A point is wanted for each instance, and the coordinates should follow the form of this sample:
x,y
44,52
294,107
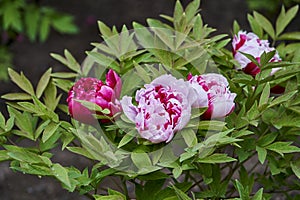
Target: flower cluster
x,y
250,43
163,106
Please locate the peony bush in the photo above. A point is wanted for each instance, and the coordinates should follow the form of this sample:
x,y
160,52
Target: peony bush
x,y
173,110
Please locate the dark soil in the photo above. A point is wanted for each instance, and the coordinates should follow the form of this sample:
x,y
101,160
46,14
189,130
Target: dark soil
x,y
34,59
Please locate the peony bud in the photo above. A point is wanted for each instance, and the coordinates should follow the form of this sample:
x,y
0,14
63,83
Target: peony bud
x,y
95,91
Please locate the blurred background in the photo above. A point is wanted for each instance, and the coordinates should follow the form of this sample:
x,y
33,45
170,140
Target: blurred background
x,y
32,29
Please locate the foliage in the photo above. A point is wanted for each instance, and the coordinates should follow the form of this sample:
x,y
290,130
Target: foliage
x,y
251,154
20,18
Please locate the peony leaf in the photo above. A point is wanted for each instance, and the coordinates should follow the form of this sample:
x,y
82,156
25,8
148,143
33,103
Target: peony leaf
x,y
216,158
127,138
61,174
296,168
290,36
44,80
264,95
265,24
255,26
258,195
17,96
21,81
262,154
189,137
285,18
141,160
283,147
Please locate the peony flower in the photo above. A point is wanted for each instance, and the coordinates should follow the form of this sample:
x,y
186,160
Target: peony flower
x,y
95,91
250,43
164,107
220,99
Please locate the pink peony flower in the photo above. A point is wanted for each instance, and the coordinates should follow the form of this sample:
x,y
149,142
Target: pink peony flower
x,y
220,99
95,91
164,107
250,43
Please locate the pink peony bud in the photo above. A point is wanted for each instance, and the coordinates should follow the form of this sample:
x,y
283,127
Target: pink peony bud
x,y
250,43
95,91
164,107
220,99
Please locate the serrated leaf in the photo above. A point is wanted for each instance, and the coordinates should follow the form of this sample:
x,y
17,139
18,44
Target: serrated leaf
x,y
265,24
42,84
21,81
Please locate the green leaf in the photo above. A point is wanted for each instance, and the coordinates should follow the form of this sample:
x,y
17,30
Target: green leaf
x,y
127,138
262,154
285,18
49,131
264,95
3,156
216,158
258,195
236,27
44,28
64,24
191,10
32,17
42,84
71,62
104,60
17,96
296,168
180,194
61,174
104,29
141,160
283,98
178,13
21,81
256,28
81,151
189,136
283,147
290,36
265,24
